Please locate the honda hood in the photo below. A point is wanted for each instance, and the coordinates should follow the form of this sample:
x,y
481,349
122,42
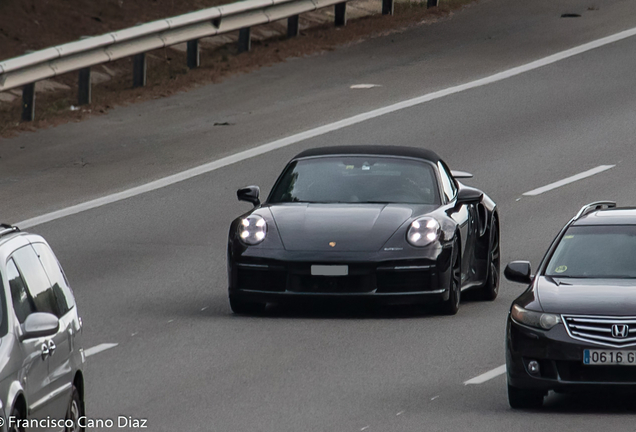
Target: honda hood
x,y
587,296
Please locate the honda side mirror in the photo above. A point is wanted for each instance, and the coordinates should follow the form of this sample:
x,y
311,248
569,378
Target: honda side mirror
x,y
519,271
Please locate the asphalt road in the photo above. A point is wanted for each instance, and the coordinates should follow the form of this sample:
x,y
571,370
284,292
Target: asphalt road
x,y
72,163
149,271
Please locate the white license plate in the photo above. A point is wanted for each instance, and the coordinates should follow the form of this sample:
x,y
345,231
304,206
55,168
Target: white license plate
x,y
329,270
609,357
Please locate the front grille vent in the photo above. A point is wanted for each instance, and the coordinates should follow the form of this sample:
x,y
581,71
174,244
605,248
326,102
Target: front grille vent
x,y
608,331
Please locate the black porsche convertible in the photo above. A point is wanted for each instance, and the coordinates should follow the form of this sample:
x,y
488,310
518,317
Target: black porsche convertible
x,y
364,223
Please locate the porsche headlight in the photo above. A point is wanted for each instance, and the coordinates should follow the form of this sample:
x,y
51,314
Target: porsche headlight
x,y
540,320
423,231
252,230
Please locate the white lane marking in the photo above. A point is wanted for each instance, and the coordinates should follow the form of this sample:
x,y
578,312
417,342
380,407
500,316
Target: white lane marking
x,y
400,413
364,428
321,130
434,397
487,376
364,86
569,180
99,348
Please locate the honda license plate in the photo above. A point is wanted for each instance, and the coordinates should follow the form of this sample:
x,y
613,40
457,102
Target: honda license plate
x,y
609,357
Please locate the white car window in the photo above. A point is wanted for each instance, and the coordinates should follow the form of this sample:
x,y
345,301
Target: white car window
x,y
58,280
22,301
37,281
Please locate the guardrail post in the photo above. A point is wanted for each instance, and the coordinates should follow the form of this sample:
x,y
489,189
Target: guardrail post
x,y
28,102
341,13
432,3
292,26
139,70
245,39
387,7
84,87
193,54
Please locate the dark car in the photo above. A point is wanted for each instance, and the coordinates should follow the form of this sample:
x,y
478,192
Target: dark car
x,y
574,328
380,223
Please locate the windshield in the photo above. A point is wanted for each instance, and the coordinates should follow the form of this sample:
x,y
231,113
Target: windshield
x,y
357,179
595,252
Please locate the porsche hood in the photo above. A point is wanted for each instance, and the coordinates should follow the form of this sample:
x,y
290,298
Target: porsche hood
x,y
340,227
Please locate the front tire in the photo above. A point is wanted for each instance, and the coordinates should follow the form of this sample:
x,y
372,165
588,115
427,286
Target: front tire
x,y
524,399
242,307
18,415
451,306
74,411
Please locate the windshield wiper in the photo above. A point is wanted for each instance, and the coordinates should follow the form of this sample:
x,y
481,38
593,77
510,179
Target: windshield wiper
x,y
556,281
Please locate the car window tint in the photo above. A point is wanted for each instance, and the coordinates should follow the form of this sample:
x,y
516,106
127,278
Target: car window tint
x,y
595,252
448,185
357,179
63,293
37,282
22,302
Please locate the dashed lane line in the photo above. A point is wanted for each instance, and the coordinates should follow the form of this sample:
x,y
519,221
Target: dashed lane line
x,y
99,348
572,179
487,376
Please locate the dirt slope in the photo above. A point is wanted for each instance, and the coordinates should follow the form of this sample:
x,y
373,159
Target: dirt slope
x,y
167,71
36,24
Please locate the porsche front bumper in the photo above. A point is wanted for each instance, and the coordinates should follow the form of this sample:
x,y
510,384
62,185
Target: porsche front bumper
x,y
288,276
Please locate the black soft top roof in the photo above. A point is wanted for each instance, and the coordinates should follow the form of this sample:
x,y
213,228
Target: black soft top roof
x,y
381,150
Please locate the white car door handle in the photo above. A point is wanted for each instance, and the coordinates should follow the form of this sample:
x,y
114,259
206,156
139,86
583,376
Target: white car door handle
x,y
45,351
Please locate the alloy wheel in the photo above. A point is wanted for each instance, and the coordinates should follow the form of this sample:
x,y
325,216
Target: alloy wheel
x,y
74,415
495,260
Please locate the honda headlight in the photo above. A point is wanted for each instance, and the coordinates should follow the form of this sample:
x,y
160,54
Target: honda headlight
x,y
423,231
252,230
540,320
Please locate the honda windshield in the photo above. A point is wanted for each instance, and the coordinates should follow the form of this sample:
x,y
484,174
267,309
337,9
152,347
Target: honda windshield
x,y
595,252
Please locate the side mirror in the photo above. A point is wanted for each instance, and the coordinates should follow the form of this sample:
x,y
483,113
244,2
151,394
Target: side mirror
x,y
461,174
249,194
519,271
468,195
40,324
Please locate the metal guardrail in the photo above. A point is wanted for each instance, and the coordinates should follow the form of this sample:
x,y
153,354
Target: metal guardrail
x,y
136,41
